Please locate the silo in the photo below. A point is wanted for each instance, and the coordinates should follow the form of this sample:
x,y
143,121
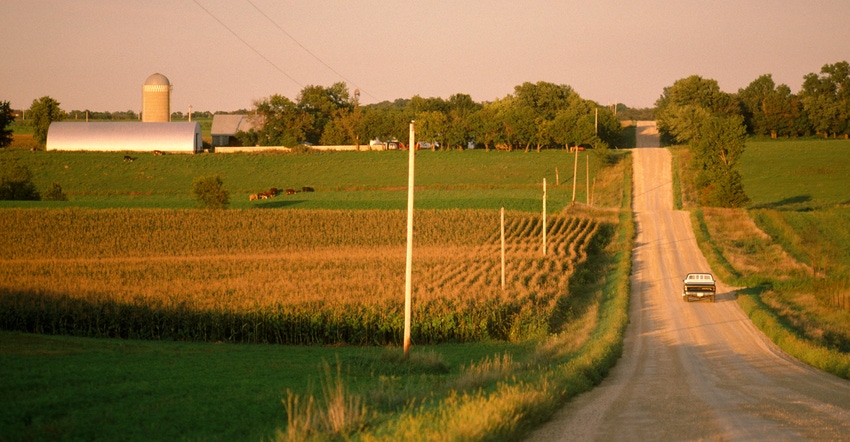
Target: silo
x,y
156,99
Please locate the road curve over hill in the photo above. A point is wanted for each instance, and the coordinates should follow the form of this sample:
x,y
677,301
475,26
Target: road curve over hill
x,y
694,370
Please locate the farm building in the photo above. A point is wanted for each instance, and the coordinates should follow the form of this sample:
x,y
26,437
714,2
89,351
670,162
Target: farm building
x,y
224,127
156,99
182,137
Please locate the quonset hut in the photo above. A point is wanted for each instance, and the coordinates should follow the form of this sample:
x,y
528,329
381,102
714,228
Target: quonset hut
x,y
182,137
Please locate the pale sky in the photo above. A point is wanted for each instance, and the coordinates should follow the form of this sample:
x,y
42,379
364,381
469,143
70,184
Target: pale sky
x,y
96,54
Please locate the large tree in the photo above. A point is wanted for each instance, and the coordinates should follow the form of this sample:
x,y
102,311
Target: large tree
x,y
716,152
695,111
283,124
6,120
321,104
826,99
684,106
43,111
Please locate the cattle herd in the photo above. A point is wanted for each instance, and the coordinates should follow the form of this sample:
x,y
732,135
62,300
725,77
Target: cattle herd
x,y
129,159
274,191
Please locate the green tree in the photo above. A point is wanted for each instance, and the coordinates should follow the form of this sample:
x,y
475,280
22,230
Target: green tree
x,y
484,125
43,111
16,182
431,126
210,193
826,99
715,154
322,104
283,124
6,120
684,106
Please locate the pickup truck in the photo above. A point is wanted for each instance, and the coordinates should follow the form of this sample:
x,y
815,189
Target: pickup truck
x,y
700,286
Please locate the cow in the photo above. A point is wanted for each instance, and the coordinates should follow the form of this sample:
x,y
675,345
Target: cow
x,y
290,191
157,152
263,196
253,197
306,189
128,159
273,191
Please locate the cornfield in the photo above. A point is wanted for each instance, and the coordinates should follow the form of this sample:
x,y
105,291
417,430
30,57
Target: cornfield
x,y
287,276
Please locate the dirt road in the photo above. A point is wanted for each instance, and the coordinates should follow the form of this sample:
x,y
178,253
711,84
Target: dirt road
x,y
696,370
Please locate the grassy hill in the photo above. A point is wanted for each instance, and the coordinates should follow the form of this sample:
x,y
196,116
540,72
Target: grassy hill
x,y
342,180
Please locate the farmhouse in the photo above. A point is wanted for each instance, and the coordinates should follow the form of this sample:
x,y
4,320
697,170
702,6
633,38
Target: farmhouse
x,y
224,127
182,137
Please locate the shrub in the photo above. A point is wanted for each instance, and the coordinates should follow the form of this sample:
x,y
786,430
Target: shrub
x,y
16,182
210,192
55,193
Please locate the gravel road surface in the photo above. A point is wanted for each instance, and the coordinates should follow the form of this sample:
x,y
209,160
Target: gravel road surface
x,y
698,370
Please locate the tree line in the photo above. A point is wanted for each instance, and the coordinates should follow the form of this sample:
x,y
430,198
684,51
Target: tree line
x,y
536,116
822,107
715,124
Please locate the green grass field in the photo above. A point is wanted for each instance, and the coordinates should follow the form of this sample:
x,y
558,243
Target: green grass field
x,y
797,174
342,180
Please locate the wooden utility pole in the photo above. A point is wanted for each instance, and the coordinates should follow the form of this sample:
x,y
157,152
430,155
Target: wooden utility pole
x,y
408,271
503,247
596,121
544,216
587,173
575,175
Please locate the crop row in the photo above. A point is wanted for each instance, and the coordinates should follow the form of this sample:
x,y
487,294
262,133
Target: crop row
x,y
343,286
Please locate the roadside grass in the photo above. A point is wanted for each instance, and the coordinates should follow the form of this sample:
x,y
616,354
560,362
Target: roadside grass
x,y
342,180
791,248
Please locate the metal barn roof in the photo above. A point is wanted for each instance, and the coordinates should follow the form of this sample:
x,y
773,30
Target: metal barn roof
x,y
120,136
230,124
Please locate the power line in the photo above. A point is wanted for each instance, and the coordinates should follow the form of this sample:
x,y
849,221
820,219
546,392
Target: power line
x,y
249,46
305,48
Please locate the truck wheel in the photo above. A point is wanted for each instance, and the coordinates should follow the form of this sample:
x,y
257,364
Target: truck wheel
x,y
712,298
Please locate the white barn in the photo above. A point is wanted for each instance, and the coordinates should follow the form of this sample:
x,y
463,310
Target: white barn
x,y
182,137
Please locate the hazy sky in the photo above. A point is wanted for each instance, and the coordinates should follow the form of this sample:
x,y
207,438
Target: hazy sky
x,y
96,54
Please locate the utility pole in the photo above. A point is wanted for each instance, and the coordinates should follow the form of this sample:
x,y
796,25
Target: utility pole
x,y
503,247
575,176
587,174
544,216
408,271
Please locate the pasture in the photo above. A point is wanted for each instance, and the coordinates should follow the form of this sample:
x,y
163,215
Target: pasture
x,y
145,266
471,179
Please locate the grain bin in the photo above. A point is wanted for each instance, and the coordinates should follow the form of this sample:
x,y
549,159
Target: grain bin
x,y
156,99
